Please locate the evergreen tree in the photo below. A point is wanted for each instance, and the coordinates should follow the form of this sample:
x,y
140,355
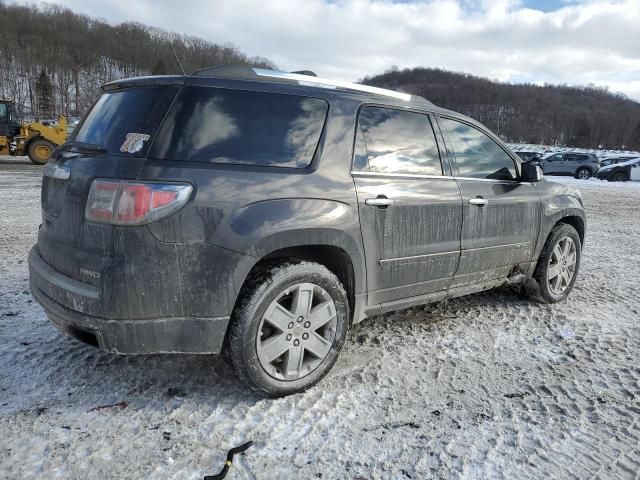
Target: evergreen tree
x,y
44,95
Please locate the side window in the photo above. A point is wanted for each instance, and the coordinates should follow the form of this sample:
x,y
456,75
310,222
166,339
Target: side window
x,y
242,127
555,158
398,142
360,160
476,154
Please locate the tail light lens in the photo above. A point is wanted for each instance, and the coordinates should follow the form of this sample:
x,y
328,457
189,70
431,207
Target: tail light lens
x,y
134,203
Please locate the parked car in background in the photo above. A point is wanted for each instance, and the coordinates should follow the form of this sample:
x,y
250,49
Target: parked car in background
x,y
614,160
528,156
262,214
578,165
621,172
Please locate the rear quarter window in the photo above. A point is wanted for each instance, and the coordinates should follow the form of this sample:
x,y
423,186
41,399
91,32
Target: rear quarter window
x,y
242,127
124,112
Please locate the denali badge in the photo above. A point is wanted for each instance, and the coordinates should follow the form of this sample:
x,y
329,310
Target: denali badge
x,y
134,142
89,273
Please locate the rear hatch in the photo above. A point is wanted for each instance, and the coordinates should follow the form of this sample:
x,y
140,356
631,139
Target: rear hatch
x,y
111,143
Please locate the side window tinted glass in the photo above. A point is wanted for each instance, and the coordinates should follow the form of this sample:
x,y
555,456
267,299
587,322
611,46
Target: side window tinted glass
x,y
476,154
360,160
399,142
242,127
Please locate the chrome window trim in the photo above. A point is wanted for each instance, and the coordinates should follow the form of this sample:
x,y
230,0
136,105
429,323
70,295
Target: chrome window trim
x,y
492,180
358,173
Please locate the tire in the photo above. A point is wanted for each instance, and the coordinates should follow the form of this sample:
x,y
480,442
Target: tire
x,y
620,177
253,340
40,151
583,174
554,289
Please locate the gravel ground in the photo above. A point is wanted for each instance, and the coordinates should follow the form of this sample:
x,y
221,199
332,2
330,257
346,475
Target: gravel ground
x,y
490,385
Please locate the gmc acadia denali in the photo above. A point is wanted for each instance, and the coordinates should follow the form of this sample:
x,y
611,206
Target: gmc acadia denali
x,y
260,214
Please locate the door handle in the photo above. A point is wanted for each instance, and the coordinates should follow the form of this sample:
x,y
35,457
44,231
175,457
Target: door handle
x,y
478,201
380,202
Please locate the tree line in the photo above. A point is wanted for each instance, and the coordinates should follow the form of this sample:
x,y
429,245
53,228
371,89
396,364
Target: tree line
x,y
53,61
586,117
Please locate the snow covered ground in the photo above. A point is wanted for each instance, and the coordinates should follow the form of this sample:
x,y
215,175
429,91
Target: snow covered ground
x,y
546,149
488,386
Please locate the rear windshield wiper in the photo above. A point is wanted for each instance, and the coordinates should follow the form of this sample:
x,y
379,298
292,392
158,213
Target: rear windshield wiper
x,y
81,147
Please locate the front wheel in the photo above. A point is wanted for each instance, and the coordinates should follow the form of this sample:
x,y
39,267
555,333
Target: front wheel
x,y
288,328
558,265
40,151
583,174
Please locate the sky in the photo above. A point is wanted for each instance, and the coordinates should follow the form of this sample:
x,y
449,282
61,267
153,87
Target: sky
x,y
538,41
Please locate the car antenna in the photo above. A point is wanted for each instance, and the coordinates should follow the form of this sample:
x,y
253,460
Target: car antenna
x,y
177,60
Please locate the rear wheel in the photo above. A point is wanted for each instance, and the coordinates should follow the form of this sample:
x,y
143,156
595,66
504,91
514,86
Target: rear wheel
x,y
288,328
620,177
40,151
558,265
583,174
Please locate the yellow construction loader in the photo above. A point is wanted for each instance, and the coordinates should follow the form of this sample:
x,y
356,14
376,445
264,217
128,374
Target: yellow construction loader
x,y
34,139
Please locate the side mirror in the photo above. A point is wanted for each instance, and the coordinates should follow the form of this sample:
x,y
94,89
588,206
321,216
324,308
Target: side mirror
x,y
531,173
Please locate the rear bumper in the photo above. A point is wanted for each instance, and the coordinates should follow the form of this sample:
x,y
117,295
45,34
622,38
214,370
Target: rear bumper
x,y
140,336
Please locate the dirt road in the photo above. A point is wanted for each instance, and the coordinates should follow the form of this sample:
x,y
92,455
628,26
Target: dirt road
x,y
491,385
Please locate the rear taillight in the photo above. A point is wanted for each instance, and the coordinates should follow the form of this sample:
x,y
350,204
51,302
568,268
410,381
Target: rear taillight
x,y
134,203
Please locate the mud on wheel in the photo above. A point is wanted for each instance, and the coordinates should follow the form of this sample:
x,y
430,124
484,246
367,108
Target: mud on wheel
x,y
558,264
288,328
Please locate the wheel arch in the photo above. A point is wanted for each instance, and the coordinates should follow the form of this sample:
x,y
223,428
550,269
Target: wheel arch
x,y
576,222
336,259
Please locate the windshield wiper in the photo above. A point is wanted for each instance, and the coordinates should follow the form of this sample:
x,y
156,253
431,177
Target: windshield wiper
x,y
81,147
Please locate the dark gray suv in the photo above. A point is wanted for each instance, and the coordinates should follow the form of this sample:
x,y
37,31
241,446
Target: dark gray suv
x,y
261,214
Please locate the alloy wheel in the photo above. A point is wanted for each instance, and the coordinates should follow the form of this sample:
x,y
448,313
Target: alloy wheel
x,y
296,332
562,265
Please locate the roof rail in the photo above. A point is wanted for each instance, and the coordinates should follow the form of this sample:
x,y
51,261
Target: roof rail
x,y
305,72
303,77
325,82
234,71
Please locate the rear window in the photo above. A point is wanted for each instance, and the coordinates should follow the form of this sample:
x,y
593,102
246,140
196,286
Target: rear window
x,y
242,127
124,122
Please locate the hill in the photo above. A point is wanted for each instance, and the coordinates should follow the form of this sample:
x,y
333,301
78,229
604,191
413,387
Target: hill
x,y
53,61
586,117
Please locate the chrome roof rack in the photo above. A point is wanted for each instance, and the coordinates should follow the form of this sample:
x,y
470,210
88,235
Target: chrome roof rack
x,y
327,83
302,77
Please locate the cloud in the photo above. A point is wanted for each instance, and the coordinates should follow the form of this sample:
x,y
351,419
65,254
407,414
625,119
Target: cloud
x,y
577,43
